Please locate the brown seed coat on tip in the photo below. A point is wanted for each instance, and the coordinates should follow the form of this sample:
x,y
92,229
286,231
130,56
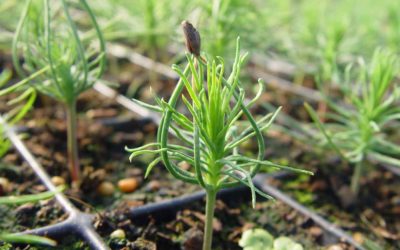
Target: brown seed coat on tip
x,y
192,38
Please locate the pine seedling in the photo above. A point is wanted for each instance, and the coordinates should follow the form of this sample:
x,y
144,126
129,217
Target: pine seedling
x,y
358,129
48,39
209,133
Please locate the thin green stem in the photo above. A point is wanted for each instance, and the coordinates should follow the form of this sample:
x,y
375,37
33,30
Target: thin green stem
x,y
72,141
211,196
355,180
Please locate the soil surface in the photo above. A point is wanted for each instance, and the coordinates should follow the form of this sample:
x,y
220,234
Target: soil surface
x,y
372,217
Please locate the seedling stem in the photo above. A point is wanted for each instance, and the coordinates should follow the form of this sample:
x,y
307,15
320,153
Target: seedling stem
x,y
72,143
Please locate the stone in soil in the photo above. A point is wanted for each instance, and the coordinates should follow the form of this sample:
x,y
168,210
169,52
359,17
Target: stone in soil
x,y
118,234
105,188
128,185
192,239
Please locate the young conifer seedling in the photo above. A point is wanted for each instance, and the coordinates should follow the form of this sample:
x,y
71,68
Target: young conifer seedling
x,y
48,39
358,130
209,134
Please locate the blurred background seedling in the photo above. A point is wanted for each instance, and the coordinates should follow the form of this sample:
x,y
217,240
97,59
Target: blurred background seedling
x,y
358,127
48,39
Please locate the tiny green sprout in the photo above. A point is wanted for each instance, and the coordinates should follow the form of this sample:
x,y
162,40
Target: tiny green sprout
x,y
216,122
260,239
48,39
359,129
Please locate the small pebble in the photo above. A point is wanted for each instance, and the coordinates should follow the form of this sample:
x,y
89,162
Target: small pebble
x,y
335,247
395,200
105,188
315,231
39,188
101,113
192,239
357,236
154,185
5,186
128,185
118,234
133,172
57,180
184,165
